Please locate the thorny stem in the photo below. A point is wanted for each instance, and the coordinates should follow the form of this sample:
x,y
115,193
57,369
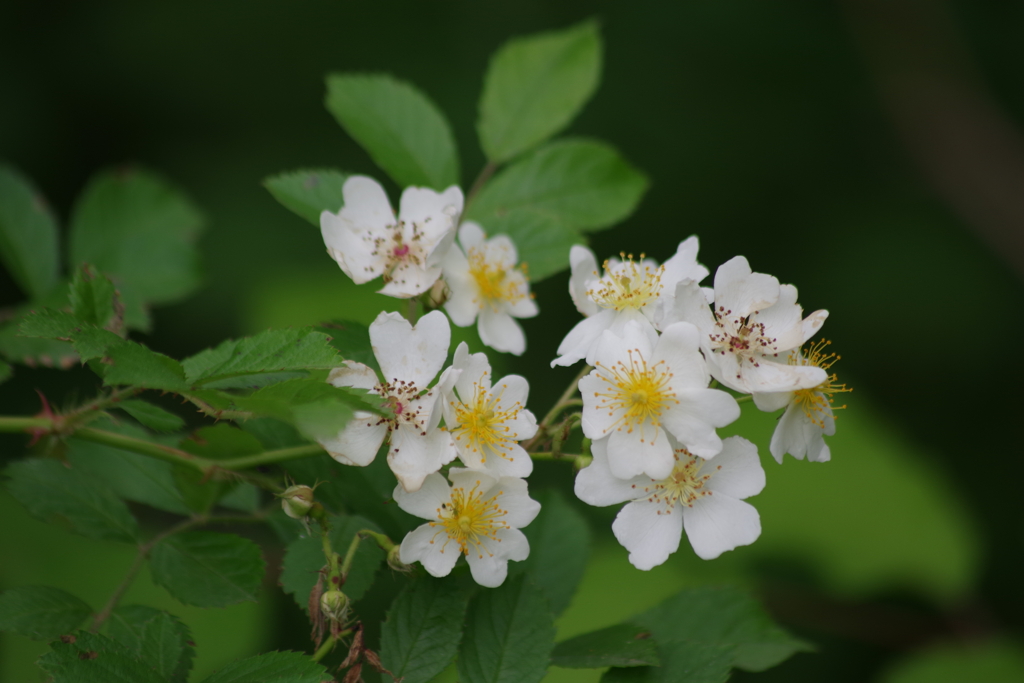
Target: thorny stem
x,y
485,174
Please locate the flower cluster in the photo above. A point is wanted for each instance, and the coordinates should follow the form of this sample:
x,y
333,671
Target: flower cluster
x,y
656,339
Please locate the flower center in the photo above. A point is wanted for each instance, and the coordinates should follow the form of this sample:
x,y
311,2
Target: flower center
x,y
684,486
638,392
482,424
470,520
743,337
815,401
627,284
401,247
400,397
492,281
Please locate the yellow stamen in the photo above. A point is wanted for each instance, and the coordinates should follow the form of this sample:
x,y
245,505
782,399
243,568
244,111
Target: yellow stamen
x,y
471,521
684,486
640,392
482,424
814,401
493,282
632,285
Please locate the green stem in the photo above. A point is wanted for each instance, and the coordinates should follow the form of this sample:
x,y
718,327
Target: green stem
x,y
552,455
325,649
24,424
381,540
564,401
744,399
143,447
271,457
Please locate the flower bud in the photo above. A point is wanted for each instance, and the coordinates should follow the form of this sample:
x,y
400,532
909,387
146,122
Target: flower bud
x,y
296,501
334,605
395,562
438,294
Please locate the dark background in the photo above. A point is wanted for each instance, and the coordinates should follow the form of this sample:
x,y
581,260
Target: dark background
x,y
868,152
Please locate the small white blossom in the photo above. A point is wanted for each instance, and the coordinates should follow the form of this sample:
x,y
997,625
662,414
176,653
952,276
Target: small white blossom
x,y
753,320
368,241
704,497
409,358
487,287
479,516
640,292
640,392
487,421
808,419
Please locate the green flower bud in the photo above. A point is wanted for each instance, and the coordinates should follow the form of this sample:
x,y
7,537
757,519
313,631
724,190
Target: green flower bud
x,y
334,605
395,562
296,501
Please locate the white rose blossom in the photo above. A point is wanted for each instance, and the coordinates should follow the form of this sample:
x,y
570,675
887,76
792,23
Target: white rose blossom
x,y
368,241
409,358
753,320
640,292
642,391
486,421
479,516
808,419
488,288
704,497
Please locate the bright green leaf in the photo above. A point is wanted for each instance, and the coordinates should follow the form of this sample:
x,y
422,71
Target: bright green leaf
x,y
272,351
92,658
272,667
508,636
41,612
58,494
154,417
535,86
28,235
309,192
622,645
94,300
208,569
401,129
135,365
420,637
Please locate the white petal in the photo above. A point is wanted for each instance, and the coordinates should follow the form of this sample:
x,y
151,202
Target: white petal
x,y
596,485
769,377
425,502
501,332
690,306
683,265
782,321
736,471
718,523
797,435
430,546
476,372
584,271
434,213
514,498
358,443
649,531
467,479
679,347
812,323
513,462
640,452
770,402
471,235
412,456
490,569
525,307
742,292
353,374
694,419
366,205
351,248
501,251
597,422
577,344
407,353
409,280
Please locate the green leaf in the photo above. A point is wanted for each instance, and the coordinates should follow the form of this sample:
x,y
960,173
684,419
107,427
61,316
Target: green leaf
x,y
47,353
559,548
726,617
135,365
508,636
41,612
208,569
401,129
89,341
28,235
221,442
58,494
304,557
271,351
535,86
272,667
352,339
156,637
681,662
420,637
991,662
94,299
138,229
92,658
309,192
154,417
621,645
6,370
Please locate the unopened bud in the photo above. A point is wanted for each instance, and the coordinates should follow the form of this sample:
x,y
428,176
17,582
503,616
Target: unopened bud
x,y
296,501
395,561
438,294
334,605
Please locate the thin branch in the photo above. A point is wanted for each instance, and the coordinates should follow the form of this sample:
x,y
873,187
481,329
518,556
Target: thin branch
x,y
478,184
325,649
271,457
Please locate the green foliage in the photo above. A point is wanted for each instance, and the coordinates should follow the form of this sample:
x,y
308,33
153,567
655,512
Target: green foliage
x,y
58,494
89,341
272,667
156,638
208,569
271,351
535,86
92,658
681,663
217,442
309,192
401,129
622,645
421,635
352,339
559,549
545,200
28,235
991,662
135,365
47,353
6,370
94,299
41,612
154,417
508,636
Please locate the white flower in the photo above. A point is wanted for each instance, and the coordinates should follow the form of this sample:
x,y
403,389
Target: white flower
x,y
479,517
628,291
487,422
753,320
702,496
485,283
368,241
409,358
640,391
808,419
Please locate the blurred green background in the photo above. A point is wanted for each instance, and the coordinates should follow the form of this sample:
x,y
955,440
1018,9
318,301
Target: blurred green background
x,y
869,152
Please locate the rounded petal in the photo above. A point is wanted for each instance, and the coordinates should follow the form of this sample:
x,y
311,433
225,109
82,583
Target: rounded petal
x,y
430,546
766,376
679,347
476,372
811,324
353,374
501,332
471,235
514,498
596,485
358,443
649,531
782,321
739,290
351,248
797,435
584,270
718,523
640,452
366,205
434,213
694,419
413,456
410,279
501,251
582,337
736,471
412,354
490,566
770,402
690,305
426,501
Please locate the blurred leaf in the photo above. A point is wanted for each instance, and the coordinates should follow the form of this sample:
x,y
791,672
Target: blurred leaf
x,y
141,231
92,658
401,129
508,636
94,299
208,569
681,662
28,235
993,662
133,364
420,637
559,548
622,645
157,638
41,612
270,351
352,339
273,434
309,192
272,667
89,341
244,497
58,494
535,86
216,442
6,370
154,417
304,558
